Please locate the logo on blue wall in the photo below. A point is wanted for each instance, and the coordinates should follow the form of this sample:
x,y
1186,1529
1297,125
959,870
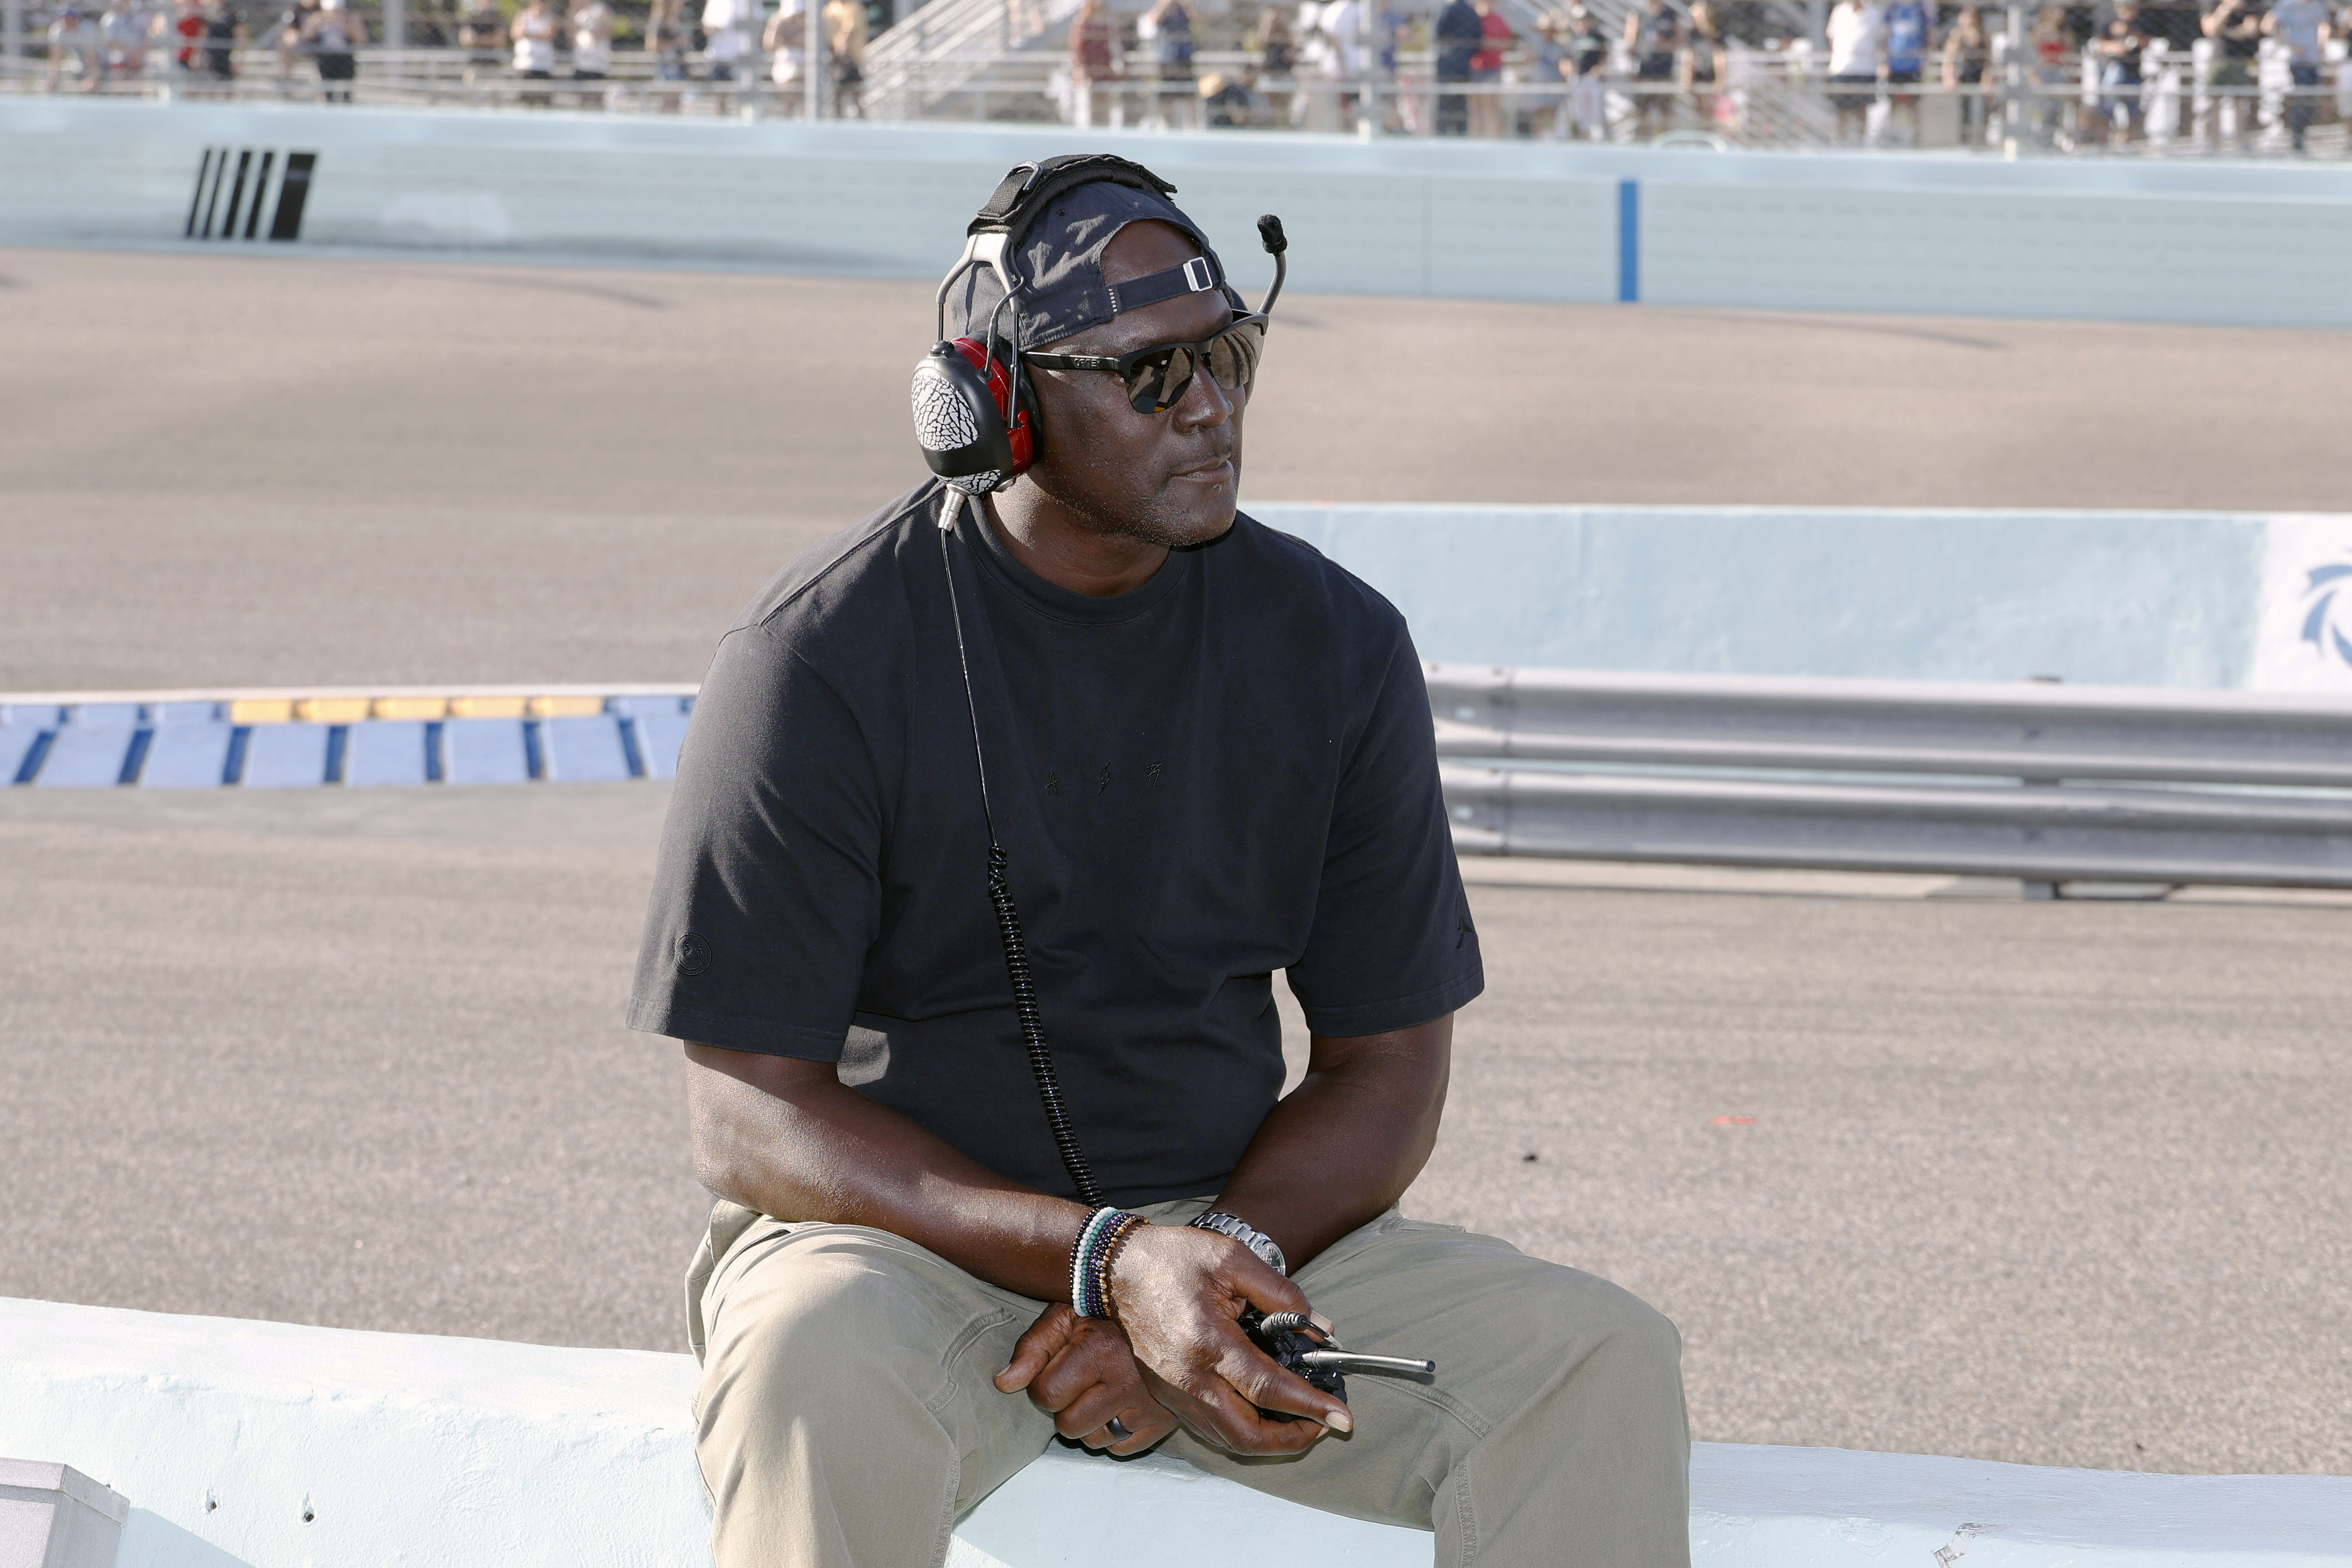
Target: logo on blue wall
x,y
2323,628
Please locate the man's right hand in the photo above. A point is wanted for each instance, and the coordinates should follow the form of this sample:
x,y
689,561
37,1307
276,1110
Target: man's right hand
x,y
1179,1294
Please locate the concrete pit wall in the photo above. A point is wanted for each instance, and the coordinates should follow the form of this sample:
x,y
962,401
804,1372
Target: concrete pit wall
x,y
2130,240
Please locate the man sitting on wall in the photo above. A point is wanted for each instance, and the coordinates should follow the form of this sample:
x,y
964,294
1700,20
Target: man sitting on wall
x,y
1206,754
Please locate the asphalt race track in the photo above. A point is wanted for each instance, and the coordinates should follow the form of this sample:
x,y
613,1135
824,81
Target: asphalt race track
x,y
260,471
2061,1182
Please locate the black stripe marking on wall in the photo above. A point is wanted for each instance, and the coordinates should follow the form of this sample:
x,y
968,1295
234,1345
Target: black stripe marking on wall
x,y
212,202
253,214
236,192
196,202
291,195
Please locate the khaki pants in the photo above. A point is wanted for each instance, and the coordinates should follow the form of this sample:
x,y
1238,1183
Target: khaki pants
x,y
847,1417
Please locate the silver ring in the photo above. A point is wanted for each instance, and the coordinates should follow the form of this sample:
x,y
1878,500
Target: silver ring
x,y
1118,1430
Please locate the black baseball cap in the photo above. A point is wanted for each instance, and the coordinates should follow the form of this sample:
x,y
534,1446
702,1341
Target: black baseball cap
x,y
1055,254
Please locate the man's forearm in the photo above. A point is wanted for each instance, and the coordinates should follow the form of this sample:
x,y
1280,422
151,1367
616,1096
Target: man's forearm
x,y
1344,1146
788,1138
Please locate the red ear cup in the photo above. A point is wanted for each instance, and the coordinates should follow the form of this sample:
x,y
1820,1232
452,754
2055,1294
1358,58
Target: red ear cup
x,y
1020,425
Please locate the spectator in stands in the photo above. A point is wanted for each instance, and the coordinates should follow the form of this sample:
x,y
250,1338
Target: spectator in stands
x,y
1967,57
1169,27
1653,38
591,42
183,30
1226,101
1384,28
225,33
785,38
1702,65
2344,65
844,41
1857,53
1277,61
293,34
1547,70
1094,63
482,34
533,31
669,35
1910,33
1457,36
2303,27
334,35
2236,29
1490,113
123,31
2120,42
2053,47
728,29
1588,53
1339,62
74,40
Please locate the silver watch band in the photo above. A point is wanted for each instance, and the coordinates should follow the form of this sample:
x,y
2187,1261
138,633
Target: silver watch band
x,y
1248,1235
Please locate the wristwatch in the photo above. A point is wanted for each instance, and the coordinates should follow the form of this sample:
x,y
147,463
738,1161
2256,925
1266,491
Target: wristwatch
x,y
1248,1235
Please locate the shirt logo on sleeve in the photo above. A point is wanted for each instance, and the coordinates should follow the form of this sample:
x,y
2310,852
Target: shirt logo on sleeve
x,y
693,955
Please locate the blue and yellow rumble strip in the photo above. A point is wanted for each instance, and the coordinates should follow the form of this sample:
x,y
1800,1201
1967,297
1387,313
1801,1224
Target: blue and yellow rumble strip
x,y
278,741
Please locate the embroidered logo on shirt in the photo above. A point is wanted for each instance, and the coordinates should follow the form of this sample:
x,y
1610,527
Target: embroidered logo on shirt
x,y
693,955
1102,782
1052,783
1153,772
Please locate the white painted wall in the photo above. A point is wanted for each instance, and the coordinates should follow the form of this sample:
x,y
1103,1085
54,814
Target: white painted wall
x,y
225,1434
2157,598
2152,240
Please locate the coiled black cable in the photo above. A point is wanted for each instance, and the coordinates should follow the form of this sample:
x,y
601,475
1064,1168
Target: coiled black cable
x,y
1008,918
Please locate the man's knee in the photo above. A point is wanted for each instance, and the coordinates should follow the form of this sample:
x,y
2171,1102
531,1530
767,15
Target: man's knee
x,y
833,1325
1607,1326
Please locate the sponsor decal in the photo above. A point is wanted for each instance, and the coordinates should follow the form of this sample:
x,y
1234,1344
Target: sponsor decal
x,y
2303,641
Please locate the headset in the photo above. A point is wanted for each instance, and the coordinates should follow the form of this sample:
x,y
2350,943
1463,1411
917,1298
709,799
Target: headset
x,y
975,417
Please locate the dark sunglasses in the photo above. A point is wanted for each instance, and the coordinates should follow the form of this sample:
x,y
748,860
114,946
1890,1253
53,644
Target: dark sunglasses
x,y
1157,377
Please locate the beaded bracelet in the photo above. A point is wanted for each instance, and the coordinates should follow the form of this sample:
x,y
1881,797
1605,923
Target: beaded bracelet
x,y
1091,1257
1113,1242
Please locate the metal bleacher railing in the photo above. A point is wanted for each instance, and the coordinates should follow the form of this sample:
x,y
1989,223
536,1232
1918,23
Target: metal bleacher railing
x,y
2045,783
1006,60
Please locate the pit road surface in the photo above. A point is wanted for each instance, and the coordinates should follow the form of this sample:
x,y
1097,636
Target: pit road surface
x,y
2055,1183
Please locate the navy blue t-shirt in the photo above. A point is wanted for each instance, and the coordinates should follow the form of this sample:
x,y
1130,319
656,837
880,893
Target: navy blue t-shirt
x,y
1226,772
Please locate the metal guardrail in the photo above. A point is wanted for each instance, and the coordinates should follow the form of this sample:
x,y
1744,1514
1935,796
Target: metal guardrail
x,y
2106,783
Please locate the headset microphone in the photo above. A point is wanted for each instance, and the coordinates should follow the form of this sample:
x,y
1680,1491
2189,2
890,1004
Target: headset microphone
x,y
1270,235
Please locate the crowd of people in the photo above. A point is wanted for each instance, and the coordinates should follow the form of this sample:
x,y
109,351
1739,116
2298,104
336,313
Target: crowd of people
x,y
198,44
1677,66
2087,74
202,45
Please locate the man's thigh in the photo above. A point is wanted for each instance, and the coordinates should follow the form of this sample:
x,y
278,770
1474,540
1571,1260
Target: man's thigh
x,y
1537,1364
861,1353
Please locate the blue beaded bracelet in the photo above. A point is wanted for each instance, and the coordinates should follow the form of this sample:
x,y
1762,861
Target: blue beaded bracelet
x,y
1091,1257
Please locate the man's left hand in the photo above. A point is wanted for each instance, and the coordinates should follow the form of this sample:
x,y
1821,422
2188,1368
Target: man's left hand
x,y
1082,1372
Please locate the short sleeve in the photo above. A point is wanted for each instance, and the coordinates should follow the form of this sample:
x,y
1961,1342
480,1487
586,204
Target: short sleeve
x,y
766,896
1392,944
